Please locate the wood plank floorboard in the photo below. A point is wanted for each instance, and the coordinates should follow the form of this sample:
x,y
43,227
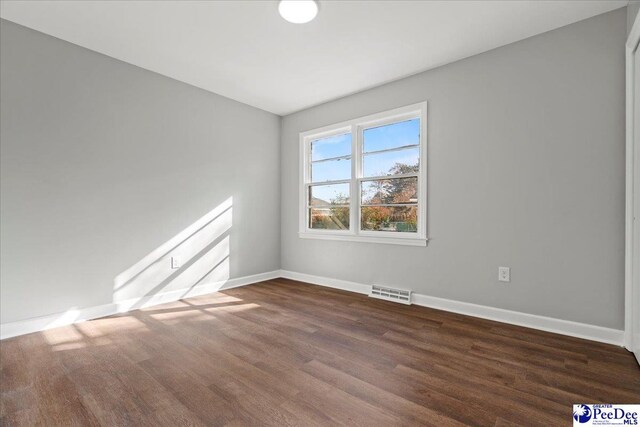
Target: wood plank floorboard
x,y
286,353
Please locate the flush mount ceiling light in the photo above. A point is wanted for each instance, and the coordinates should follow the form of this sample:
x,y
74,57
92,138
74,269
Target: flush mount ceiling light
x,y
298,11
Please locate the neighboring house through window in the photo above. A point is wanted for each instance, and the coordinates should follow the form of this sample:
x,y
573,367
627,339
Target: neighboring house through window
x,y
365,179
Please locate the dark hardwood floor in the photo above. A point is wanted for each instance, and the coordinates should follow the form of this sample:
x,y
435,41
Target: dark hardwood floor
x,y
286,353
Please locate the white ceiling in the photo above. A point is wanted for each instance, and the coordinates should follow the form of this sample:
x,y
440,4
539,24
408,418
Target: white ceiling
x,y
245,51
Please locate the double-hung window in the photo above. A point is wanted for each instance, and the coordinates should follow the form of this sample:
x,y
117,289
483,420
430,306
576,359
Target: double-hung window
x,y
365,179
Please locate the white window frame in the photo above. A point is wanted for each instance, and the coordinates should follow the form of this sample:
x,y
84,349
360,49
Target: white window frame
x,y
356,127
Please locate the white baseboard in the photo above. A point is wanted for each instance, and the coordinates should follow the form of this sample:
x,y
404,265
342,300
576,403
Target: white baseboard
x,y
27,326
559,326
326,281
549,324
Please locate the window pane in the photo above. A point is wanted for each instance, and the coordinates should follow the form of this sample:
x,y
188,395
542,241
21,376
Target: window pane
x,y
331,170
403,219
333,194
330,218
390,191
392,136
334,146
391,162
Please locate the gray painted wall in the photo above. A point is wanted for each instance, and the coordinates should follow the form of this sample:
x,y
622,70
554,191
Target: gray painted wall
x,y
526,170
102,162
632,12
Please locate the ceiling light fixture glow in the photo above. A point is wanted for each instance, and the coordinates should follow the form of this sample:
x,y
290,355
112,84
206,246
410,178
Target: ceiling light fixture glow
x,y
298,11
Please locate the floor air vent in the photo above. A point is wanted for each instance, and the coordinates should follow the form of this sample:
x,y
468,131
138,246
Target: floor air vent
x,y
391,294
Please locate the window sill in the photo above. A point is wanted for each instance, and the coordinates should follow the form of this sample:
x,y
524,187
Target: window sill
x,y
407,241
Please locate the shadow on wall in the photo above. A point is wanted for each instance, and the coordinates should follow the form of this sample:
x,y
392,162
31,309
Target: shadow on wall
x,y
202,252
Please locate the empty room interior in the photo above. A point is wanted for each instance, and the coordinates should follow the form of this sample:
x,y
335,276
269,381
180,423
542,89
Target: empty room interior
x,y
320,213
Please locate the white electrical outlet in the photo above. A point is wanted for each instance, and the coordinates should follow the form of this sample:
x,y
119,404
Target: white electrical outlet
x,y
504,274
174,263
